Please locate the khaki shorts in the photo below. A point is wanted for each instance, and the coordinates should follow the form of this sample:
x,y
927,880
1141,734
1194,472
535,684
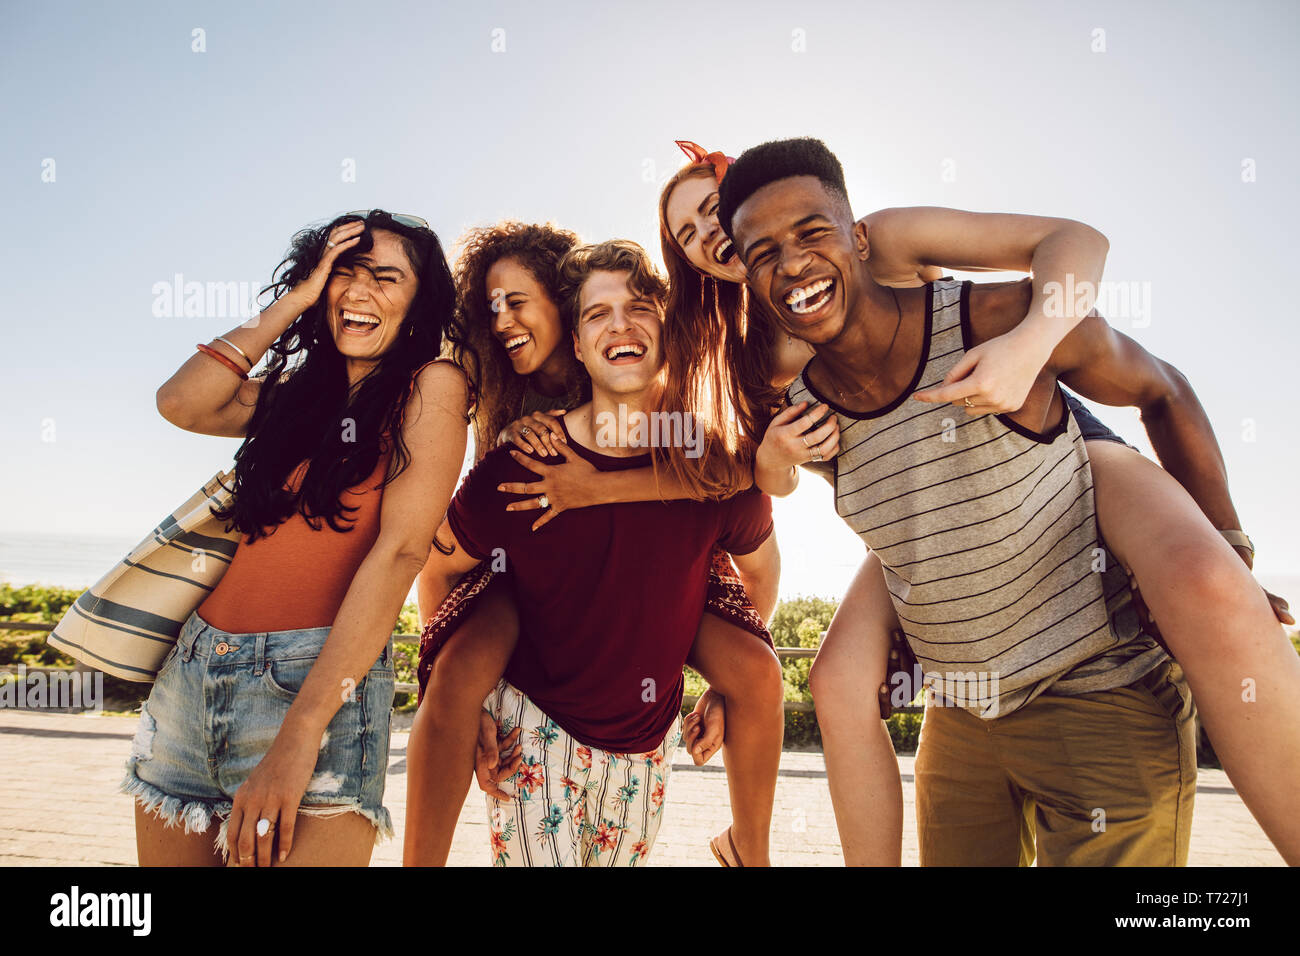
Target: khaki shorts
x,y
1101,779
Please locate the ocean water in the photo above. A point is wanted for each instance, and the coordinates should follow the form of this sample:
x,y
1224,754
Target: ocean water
x,y
70,561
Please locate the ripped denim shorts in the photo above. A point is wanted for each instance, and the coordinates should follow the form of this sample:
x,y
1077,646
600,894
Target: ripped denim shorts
x,y
216,705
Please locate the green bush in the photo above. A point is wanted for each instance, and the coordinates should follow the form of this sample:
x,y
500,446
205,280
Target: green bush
x,y
406,657
905,731
788,622
408,622
37,603
29,647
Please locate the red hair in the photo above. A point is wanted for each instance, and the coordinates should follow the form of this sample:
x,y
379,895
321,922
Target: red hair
x,y
719,356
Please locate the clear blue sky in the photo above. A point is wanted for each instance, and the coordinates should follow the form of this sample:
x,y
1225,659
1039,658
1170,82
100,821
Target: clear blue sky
x,y
172,161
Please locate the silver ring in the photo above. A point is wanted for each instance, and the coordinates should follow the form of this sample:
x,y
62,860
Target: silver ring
x,y
804,439
543,502
816,452
263,827
329,244
525,430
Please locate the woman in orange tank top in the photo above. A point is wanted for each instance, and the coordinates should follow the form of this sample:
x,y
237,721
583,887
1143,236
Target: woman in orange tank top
x,y
266,732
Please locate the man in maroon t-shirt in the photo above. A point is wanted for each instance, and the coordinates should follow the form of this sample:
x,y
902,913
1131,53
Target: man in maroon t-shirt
x,y
610,596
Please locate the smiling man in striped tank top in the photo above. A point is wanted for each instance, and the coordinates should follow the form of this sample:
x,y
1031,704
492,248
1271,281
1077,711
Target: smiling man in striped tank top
x,y
1049,709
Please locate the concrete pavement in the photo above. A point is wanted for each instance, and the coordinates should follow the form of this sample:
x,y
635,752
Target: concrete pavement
x,y
59,805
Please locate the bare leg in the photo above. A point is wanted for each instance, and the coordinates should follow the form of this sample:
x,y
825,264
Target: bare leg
x,y
159,845
347,839
861,768
440,750
1244,674
744,670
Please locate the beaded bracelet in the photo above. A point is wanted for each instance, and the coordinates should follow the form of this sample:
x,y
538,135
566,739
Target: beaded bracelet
x,y
224,360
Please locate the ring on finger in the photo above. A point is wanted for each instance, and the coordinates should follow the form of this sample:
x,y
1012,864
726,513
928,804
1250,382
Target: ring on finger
x,y
816,452
264,826
525,430
969,403
331,244
543,502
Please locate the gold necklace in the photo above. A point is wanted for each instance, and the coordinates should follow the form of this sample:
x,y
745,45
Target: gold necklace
x,y
897,326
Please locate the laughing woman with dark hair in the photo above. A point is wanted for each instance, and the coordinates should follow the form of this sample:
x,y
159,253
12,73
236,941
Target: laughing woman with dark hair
x,y
271,715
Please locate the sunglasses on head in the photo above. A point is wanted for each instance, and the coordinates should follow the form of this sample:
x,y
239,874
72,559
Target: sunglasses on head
x,y
413,222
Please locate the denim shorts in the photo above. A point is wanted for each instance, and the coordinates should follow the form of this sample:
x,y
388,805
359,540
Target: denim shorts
x,y
216,705
1089,425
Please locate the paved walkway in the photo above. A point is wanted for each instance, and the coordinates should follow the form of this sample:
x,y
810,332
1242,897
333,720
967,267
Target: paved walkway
x,y
59,805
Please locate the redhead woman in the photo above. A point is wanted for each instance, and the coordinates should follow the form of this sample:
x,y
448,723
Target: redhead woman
x,y
521,357
265,738
1233,620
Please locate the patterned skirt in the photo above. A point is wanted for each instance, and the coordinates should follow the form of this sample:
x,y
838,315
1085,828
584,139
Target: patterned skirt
x,y
725,598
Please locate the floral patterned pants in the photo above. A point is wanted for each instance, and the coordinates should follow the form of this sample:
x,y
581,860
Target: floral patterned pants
x,y
574,805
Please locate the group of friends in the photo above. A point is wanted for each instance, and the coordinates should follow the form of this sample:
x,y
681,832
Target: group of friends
x,y
1055,597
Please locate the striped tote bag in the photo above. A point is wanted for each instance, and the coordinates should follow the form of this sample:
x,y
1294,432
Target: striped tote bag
x,y
130,619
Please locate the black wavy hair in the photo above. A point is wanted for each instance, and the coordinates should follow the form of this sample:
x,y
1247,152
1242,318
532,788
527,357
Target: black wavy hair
x,y
777,159
305,398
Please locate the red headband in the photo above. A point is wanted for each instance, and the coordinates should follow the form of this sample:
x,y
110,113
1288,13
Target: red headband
x,y
717,160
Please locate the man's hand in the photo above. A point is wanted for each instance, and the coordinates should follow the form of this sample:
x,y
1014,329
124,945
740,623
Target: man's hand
x,y
704,727
498,758
1281,608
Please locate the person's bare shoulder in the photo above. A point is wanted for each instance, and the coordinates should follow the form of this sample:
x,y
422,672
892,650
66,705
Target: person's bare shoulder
x,y
998,307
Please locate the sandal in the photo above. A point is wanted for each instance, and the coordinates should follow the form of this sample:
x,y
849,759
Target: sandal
x,y
717,854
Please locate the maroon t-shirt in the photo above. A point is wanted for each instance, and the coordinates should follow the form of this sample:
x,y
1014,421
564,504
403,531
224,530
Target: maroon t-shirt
x,y
610,597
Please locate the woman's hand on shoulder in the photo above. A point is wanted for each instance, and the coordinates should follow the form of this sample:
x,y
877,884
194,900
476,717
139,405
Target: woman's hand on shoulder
x,y
540,432
994,377
573,483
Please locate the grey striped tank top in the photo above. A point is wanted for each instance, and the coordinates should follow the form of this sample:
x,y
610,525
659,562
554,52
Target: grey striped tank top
x,y
988,535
